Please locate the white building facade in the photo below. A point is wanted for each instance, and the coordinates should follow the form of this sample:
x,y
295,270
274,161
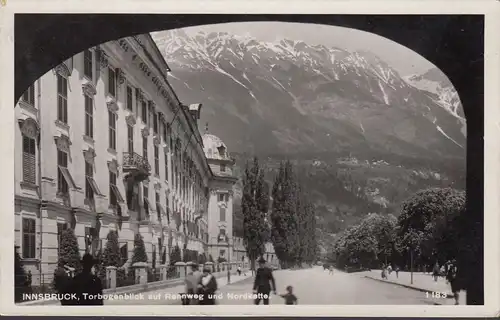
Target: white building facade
x,y
103,143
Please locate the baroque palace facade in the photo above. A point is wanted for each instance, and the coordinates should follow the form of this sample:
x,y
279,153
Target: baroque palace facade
x,y
103,143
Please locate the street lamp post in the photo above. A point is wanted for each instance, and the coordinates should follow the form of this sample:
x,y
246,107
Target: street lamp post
x,y
411,264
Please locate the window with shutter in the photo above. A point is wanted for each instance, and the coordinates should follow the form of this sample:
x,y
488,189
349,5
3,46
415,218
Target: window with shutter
x,y
222,214
60,229
112,81
29,96
89,116
130,138
29,238
29,160
62,98
87,64
112,130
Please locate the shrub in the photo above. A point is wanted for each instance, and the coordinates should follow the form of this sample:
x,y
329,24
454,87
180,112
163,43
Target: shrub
x,y
175,255
111,255
20,279
139,254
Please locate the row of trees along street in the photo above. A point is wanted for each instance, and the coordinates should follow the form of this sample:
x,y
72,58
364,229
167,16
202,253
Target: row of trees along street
x,y
428,230
290,225
69,255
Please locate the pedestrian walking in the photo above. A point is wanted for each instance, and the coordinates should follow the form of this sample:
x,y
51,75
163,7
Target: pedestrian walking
x,y
435,272
289,297
454,284
264,283
239,270
192,280
87,286
397,271
207,286
331,270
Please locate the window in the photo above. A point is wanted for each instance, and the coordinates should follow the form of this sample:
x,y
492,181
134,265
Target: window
x,y
145,148
129,98
222,212
158,205
155,122
130,138
145,192
112,130
222,168
62,164
89,116
60,229
166,166
222,151
167,208
62,99
29,238
112,82
29,95
157,160
29,160
124,252
90,239
89,173
144,112
114,194
87,64
91,188
164,133
227,197
221,197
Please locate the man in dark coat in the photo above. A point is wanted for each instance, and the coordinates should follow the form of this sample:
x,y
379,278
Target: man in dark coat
x,y
264,283
87,286
207,287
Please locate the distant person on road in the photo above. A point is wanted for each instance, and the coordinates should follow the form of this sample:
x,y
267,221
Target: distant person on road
x,y
435,272
264,283
452,279
207,287
331,269
239,270
289,297
397,271
86,285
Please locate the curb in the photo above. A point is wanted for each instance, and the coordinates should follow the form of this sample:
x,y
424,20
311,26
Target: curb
x,y
448,295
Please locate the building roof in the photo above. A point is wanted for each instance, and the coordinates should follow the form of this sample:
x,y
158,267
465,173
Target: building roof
x,y
214,147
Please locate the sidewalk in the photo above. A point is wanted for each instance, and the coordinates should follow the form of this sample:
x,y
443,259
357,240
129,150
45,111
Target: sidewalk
x,y
421,282
178,288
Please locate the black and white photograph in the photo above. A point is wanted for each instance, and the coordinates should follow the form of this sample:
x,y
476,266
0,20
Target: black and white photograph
x,y
168,161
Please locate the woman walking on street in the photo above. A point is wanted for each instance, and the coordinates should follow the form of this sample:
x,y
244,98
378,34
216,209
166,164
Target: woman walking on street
x,y
452,279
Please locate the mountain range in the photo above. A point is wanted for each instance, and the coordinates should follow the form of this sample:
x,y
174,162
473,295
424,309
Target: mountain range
x,y
330,110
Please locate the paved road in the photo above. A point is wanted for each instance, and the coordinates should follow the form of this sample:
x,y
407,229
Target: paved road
x,y
312,287
317,287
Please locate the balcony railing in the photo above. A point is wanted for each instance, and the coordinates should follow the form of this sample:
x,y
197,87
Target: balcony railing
x,y
134,163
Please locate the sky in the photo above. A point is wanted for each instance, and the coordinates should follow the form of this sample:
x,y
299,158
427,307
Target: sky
x,y
405,61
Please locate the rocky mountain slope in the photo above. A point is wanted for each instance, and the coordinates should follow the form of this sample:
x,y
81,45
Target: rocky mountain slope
x,y
362,136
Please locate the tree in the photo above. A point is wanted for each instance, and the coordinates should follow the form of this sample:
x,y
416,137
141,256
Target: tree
x,y
139,254
111,257
255,226
69,252
431,225
20,277
278,218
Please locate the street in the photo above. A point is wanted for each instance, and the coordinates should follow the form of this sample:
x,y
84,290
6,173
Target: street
x,y
311,286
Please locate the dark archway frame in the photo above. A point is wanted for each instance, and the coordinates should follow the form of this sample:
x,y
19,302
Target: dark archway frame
x,y
454,43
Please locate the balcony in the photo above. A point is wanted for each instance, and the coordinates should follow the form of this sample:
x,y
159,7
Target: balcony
x,y
136,166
